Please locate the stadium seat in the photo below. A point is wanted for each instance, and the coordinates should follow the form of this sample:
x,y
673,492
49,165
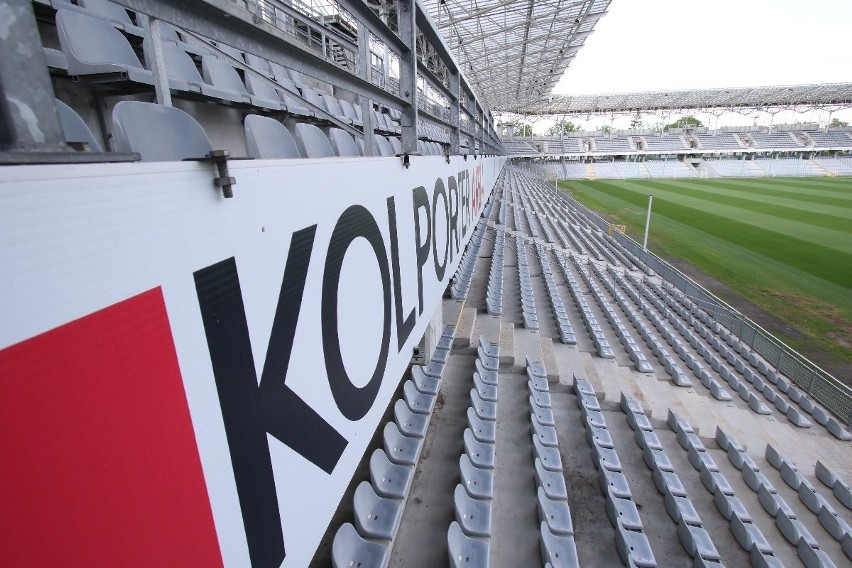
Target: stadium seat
x,y
478,482
225,78
389,479
481,454
558,550
410,423
76,133
268,139
473,515
400,449
483,430
311,141
159,133
395,144
94,48
464,551
342,143
375,517
382,147
262,93
349,549
114,13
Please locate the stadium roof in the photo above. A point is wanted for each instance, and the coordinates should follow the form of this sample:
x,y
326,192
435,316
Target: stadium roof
x,y
815,96
513,53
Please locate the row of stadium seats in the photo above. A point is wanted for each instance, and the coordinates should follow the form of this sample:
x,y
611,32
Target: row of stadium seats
x,y
627,144
160,133
106,49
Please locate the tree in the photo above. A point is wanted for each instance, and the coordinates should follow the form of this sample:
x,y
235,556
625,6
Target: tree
x,y
605,129
685,122
837,122
523,130
566,127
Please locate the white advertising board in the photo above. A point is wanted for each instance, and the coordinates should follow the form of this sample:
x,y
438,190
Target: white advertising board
x,y
192,380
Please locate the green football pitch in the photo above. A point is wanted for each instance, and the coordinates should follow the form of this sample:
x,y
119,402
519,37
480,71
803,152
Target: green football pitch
x,y
783,244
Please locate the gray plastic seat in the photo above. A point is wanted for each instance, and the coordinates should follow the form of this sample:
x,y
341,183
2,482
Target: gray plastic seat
x,y
488,377
409,423
555,514
813,557
417,401
681,510
633,546
541,399
553,482
657,459
349,112
487,392
400,449
423,382
544,415
464,551
396,145
381,146
349,549
484,409
731,506
599,436
266,138
157,132
623,512
225,78
558,551
342,143
478,482
489,362
473,515
183,75
483,430
545,434
749,536
93,47
481,454
490,349
697,542
262,93
832,522
614,482
794,531
550,457
825,475
668,482
389,479
114,13
312,142
606,458
375,517
292,98
74,129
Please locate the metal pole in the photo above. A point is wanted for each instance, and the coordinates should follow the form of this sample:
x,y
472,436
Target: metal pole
x,y
647,223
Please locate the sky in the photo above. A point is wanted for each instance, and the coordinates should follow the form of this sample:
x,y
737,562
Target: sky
x,y
643,45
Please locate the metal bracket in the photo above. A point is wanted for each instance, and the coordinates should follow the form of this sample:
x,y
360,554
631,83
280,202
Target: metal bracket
x,y
406,161
225,180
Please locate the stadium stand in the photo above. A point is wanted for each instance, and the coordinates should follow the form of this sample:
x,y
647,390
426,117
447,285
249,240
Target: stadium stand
x,y
577,408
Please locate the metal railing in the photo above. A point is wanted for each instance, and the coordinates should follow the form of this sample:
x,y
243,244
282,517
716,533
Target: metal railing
x,y
805,374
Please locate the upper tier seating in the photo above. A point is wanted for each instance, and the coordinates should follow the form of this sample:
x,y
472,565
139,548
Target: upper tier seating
x,y
97,50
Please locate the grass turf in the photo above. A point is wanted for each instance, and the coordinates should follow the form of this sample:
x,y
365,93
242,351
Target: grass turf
x,y
784,244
